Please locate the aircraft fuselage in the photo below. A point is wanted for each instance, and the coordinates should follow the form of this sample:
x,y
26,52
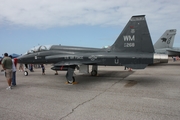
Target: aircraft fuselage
x,y
87,56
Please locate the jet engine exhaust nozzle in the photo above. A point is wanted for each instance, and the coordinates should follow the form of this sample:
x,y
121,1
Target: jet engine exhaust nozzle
x,y
160,58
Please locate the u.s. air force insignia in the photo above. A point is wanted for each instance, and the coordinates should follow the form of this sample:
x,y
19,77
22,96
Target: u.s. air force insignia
x,y
92,57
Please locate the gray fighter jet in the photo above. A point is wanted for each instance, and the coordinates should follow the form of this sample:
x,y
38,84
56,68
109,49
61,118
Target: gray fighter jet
x,y
164,45
133,49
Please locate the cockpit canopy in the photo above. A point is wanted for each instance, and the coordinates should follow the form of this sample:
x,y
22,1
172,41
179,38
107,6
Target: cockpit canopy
x,y
38,49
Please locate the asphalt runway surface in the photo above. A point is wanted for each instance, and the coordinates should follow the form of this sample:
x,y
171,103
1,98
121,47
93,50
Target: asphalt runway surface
x,y
115,94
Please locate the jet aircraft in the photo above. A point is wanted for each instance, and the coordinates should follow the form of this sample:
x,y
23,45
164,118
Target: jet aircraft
x,y
133,48
164,45
14,55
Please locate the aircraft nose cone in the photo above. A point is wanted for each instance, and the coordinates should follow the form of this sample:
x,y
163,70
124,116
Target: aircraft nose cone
x,y
19,60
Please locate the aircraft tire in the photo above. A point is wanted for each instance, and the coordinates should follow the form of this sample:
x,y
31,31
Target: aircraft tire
x,y
26,73
71,82
93,72
73,79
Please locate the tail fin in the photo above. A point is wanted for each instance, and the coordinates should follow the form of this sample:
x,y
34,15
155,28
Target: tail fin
x,y
135,37
166,40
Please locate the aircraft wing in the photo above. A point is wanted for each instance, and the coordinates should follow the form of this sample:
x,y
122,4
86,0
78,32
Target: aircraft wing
x,y
174,50
69,63
70,60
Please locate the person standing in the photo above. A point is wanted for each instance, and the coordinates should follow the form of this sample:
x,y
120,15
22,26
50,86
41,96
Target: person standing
x,y
7,66
43,69
14,72
125,67
21,67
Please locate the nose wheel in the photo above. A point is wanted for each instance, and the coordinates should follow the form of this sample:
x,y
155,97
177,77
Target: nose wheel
x,y
26,73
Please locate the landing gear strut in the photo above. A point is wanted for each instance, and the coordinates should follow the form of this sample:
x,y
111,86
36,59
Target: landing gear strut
x,y
25,70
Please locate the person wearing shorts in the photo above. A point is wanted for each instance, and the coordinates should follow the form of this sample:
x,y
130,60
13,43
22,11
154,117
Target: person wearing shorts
x,y
7,66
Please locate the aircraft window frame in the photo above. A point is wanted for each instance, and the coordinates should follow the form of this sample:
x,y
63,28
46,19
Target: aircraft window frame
x,y
38,49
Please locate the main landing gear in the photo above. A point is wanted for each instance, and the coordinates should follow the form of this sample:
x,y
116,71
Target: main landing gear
x,y
94,73
94,70
69,75
70,72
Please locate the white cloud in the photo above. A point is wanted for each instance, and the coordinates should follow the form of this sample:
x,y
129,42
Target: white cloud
x,y
50,13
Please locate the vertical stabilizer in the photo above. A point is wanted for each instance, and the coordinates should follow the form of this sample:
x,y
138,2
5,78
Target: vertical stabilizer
x,y
166,40
135,37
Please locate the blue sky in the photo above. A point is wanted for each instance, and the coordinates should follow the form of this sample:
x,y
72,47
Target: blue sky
x,y
90,23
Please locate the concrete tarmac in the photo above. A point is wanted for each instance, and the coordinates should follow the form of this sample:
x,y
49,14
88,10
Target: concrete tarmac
x,y
115,94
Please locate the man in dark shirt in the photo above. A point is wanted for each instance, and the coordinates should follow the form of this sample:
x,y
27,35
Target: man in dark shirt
x,y
7,66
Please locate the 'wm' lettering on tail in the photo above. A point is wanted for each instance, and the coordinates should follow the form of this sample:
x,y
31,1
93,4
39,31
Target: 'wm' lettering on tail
x,y
129,38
